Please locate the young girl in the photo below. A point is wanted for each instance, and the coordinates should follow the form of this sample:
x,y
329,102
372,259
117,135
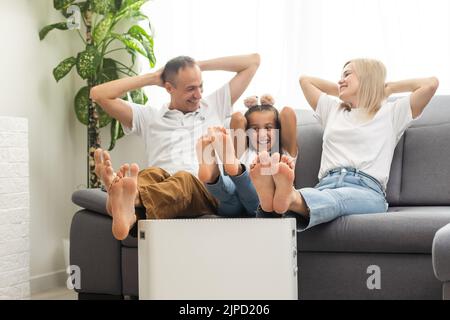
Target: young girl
x,y
224,167
361,132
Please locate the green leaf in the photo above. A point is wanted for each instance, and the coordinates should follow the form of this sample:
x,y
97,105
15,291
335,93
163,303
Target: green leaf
x,y
45,30
87,62
104,6
138,16
64,68
115,131
145,98
133,56
137,96
82,103
108,72
103,28
146,41
62,4
118,4
130,43
128,7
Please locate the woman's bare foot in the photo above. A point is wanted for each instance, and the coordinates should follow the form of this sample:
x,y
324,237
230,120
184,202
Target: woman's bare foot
x,y
283,177
207,166
224,148
263,181
122,195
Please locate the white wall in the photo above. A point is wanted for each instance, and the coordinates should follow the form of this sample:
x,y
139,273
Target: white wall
x,y
57,141
14,209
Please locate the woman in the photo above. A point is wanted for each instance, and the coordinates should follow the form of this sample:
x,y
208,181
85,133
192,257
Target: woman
x,y
360,134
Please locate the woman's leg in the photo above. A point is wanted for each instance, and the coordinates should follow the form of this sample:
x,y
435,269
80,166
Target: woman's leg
x,y
332,198
328,204
288,121
238,126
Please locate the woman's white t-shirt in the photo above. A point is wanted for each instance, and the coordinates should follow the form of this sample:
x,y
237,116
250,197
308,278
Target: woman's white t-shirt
x,y
365,145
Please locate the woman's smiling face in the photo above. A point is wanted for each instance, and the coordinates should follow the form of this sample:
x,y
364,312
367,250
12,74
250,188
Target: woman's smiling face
x,y
349,84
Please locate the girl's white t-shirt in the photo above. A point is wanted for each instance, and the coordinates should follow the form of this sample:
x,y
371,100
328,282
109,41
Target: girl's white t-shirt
x,y
365,145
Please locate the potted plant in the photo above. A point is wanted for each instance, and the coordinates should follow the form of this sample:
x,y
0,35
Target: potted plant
x,y
98,23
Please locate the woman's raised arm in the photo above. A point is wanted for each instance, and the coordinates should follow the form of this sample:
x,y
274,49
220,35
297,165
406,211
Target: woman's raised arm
x,y
422,91
313,87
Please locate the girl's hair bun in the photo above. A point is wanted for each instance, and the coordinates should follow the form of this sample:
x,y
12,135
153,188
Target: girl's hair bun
x,y
267,99
251,101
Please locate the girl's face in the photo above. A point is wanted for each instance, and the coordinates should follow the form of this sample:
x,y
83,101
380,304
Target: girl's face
x,y
348,85
262,130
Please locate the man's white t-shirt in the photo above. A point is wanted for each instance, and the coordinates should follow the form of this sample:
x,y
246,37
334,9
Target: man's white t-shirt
x,y
368,146
170,136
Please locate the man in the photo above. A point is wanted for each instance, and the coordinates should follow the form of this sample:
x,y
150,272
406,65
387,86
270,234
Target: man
x,y
169,187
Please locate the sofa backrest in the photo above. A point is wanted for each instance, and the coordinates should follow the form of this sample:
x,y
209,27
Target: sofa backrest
x,y
420,170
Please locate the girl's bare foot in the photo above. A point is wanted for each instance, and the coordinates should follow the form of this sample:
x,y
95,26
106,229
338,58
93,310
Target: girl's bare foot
x,y
207,166
283,177
122,195
224,148
263,181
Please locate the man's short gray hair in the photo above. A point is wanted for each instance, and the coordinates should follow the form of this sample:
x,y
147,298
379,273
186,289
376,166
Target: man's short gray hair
x,y
173,66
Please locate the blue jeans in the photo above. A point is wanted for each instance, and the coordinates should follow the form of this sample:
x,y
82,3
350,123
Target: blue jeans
x,y
343,191
236,195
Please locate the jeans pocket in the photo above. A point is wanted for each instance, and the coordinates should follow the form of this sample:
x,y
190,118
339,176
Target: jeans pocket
x,y
368,183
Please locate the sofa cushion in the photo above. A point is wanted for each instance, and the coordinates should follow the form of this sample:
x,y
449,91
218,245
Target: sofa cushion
x,y
426,169
401,230
91,199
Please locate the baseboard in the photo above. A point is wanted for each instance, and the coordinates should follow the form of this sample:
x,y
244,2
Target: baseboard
x,y
48,281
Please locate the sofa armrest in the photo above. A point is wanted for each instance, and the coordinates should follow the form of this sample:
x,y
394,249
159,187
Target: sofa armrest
x,y
91,199
96,253
441,254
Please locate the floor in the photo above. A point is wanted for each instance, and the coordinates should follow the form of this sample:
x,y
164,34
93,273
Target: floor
x,y
55,294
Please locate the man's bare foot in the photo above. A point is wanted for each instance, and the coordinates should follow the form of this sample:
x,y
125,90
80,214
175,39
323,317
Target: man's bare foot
x,y
224,148
103,167
105,171
283,177
122,195
208,170
263,181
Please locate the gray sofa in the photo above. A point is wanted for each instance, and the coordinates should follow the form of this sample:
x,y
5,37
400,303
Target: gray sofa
x,y
441,259
376,256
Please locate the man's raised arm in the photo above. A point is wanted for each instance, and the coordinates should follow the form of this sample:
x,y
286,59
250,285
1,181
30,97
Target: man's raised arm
x,y
245,66
107,95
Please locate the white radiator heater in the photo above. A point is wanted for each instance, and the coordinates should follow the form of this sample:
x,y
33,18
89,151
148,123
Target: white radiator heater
x,y
218,259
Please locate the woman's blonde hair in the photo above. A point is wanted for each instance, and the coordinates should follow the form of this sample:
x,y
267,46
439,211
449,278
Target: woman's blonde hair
x,y
372,78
